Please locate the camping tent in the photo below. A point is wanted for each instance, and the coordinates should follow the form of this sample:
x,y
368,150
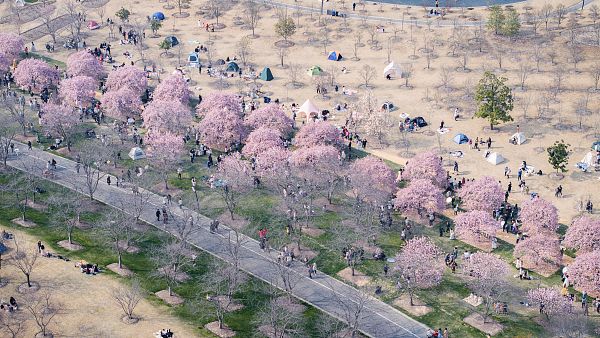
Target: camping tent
x,y
518,138
392,70
309,109
419,121
266,74
158,16
588,159
173,40
461,138
495,158
315,71
193,60
596,146
136,153
220,62
92,25
233,67
388,106
334,56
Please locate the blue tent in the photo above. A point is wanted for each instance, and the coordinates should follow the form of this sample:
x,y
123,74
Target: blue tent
x,y
334,56
193,60
158,16
233,67
266,74
461,138
173,40
596,146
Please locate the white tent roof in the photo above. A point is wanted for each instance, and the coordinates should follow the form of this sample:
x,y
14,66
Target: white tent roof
x,y
136,153
588,159
392,69
495,158
308,108
519,137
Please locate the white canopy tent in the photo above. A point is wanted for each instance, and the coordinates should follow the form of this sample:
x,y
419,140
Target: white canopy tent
x,y
309,109
495,158
518,138
392,70
136,153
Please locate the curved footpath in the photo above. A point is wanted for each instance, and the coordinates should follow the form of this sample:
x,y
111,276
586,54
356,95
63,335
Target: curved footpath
x,y
377,319
441,23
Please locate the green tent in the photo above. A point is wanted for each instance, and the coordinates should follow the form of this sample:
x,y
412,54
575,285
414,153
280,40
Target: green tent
x,y
266,74
315,71
233,67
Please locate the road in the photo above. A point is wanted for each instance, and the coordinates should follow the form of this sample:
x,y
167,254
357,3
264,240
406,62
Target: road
x,y
375,318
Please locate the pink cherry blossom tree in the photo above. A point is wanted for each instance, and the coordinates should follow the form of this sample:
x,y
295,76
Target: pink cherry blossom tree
x,y
419,266
4,64
273,166
36,74
221,129
476,226
583,235
486,276
549,301
485,193
174,87
318,133
319,167
121,104
236,180
541,251
83,63
129,77
220,102
585,273
373,184
426,165
171,116
77,91
260,140
271,116
420,196
539,216
165,149
60,120
11,45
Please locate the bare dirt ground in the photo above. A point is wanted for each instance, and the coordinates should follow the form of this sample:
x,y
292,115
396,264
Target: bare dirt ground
x,y
86,307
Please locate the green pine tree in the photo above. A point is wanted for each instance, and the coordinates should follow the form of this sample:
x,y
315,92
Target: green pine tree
x,y
512,24
496,19
558,155
494,99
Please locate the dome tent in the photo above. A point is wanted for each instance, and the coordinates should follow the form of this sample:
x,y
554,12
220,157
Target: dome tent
x,y
136,153
93,25
315,71
460,139
158,16
172,40
193,60
233,67
518,138
392,70
334,56
495,158
266,74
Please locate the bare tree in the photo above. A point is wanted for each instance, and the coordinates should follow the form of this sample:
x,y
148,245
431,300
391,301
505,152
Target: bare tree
x,y
332,73
216,8
252,14
294,71
353,304
12,323
25,261
595,72
356,45
390,48
524,102
140,25
68,207
560,12
16,109
558,75
279,319
367,73
407,73
547,13
43,309
118,233
538,56
576,54
282,53
171,260
128,298
92,157
524,71
46,15
101,11
244,50
8,131
324,32
77,18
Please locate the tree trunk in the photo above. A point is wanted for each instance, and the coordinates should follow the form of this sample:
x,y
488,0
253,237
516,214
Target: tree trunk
x,y
69,235
28,280
170,291
411,299
120,260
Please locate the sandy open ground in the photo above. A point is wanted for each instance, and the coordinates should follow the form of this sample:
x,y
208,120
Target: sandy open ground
x,y
86,306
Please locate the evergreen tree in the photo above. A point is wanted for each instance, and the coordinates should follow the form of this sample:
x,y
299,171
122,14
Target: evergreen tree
x,y
558,155
496,19
494,98
511,23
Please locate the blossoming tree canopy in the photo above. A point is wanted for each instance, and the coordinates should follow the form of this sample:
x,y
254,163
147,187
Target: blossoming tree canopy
x,y
260,140
83,63
426,165
11,45
77,91
271,116
59,119
121,104
485,193
420,265
163,115
539,215
585,273
549,300
220,102
539,251
36,74
4,64
221,129
129,77
583,234
165,149
475,226
318,133
420,196
174,87
372,180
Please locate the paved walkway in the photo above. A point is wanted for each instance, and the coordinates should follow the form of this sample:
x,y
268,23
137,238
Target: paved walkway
x,y
376,318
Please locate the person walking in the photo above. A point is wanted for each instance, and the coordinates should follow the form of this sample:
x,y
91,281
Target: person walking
x,y
108,179
158,215
386,268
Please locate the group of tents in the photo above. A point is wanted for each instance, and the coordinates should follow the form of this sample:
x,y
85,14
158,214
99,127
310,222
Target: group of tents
x,y
493,157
